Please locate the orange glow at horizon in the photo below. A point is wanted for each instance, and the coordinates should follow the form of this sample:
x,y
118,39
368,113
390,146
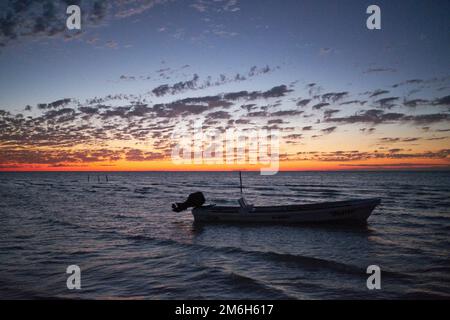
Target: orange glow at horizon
x,y
167,165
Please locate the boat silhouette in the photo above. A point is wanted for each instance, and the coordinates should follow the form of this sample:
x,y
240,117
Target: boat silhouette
x,y
351,211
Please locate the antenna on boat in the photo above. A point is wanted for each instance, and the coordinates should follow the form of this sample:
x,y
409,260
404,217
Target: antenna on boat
x,y
240,180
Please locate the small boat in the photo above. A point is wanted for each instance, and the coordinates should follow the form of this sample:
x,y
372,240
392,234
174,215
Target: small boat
x,y
357,211
353,211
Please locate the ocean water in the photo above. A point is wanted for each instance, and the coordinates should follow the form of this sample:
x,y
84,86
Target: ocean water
x,y
129,244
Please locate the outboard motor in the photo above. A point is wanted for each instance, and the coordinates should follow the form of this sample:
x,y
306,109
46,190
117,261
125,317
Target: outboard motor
x,y
196,199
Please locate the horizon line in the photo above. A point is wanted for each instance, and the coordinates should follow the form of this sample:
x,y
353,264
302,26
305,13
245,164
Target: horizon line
x,y
220,171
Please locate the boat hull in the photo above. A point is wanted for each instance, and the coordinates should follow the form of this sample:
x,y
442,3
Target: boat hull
x,y
340,211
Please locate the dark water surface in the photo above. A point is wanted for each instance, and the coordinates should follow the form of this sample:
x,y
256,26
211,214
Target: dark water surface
x,y
129,244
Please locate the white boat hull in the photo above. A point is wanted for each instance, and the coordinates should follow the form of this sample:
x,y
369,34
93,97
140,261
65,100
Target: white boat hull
x,y
340,211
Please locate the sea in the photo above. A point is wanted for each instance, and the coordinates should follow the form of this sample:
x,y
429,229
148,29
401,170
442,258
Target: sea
x,y
118,228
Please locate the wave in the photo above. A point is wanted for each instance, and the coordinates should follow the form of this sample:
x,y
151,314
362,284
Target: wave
x,y
248,283
294,260
424,295
285,258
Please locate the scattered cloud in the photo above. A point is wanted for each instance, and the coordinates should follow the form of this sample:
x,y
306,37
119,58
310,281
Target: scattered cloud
x,y
376,116
47,19
334,96
377,93
414,102
329,130
130,119
303,102
320,105
378,70
325,51
387,103
196,84
444,101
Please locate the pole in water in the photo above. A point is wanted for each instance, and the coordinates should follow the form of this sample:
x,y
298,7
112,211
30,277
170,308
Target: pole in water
x,y
240,180
88,178
106,178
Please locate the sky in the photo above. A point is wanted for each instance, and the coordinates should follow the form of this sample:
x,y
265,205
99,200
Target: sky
x,y
111,95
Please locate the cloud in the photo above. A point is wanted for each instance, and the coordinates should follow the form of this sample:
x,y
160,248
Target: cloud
x,y
99,11
62,158
286,113
241,95
427,118
328,113
255,71
407,82
414,103
248,107
124,77
294,136
369,116
242,121
139,155
224,33
132,119
26,19
394,140
398,165
54,104
199,6
116,112
218,6
355,155
387,103
178,108
177,87
211,101
303,102
437,138
125,9
139,110
378,70
219,115
334,96
276,121
196,84
367,130
329,130
325,51
28,156
389,140
377,92
313,89
276,92
320,105
257,114
360,102
444,101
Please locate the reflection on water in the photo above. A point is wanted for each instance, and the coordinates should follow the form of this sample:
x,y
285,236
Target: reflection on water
x,y
129,244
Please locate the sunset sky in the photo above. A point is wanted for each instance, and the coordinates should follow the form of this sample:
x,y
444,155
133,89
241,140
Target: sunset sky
x,y
108,97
